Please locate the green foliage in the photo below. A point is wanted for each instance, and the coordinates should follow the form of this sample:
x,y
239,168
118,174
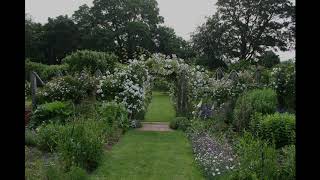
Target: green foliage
x,y
45,72
173,124
257,159
288,162
56,111
33,39
61,37
91,60
283,81
161,84
27,89
269,59
182,123
138,26
140,115
30,137
34,164
258,100
48,136
82,144
226,35
240,65
277,128
113,113
54,172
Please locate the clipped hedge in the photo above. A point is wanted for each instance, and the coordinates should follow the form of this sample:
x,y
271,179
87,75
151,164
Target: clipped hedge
x,y
91,60
46,72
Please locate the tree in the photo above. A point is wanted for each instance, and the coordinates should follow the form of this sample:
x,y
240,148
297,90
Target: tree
x,y
129,24
34,42
208,41
269,59
61,37
92,36
244,29
169,43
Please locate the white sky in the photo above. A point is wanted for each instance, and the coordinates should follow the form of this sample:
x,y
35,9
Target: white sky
x,y
182,15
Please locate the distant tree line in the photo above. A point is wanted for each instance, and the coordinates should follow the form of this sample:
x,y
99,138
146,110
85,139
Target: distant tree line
x,y
124,27
240,30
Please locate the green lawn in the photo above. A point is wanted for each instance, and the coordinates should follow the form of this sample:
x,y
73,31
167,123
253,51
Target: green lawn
x,y
160,109
142,155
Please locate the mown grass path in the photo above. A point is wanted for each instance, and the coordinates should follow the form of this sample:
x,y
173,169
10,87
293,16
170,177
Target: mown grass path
x,y
145,155
160,109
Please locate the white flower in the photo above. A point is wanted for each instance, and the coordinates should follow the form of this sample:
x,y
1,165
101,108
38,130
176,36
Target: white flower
x,y
199,105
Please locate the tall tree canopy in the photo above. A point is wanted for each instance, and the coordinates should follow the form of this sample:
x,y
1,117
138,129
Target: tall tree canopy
x,y
269,59
244,29
61,37
168,43
120,25
34,39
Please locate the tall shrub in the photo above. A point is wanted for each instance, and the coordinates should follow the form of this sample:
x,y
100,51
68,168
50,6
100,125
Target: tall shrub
x,y
277,127
91,60
82,144
46,72
113,113
259,100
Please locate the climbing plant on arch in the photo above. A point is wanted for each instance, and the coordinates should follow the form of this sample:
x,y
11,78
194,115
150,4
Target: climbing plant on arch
x,y
190,86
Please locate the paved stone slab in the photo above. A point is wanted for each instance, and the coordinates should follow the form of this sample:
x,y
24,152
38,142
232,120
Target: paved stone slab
x,y
154,126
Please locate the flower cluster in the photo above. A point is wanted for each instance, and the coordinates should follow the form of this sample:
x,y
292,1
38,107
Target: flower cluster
x,y
214,157
128,85
68,87
283,79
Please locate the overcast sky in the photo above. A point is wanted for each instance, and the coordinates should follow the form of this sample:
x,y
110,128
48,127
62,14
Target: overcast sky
x,y
182,15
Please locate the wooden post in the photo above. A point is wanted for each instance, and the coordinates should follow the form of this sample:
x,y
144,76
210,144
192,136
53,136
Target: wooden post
x,y
33,81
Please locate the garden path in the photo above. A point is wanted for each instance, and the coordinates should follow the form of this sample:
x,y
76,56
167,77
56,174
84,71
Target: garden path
x,y
153,151
144,155
160,109
155,126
